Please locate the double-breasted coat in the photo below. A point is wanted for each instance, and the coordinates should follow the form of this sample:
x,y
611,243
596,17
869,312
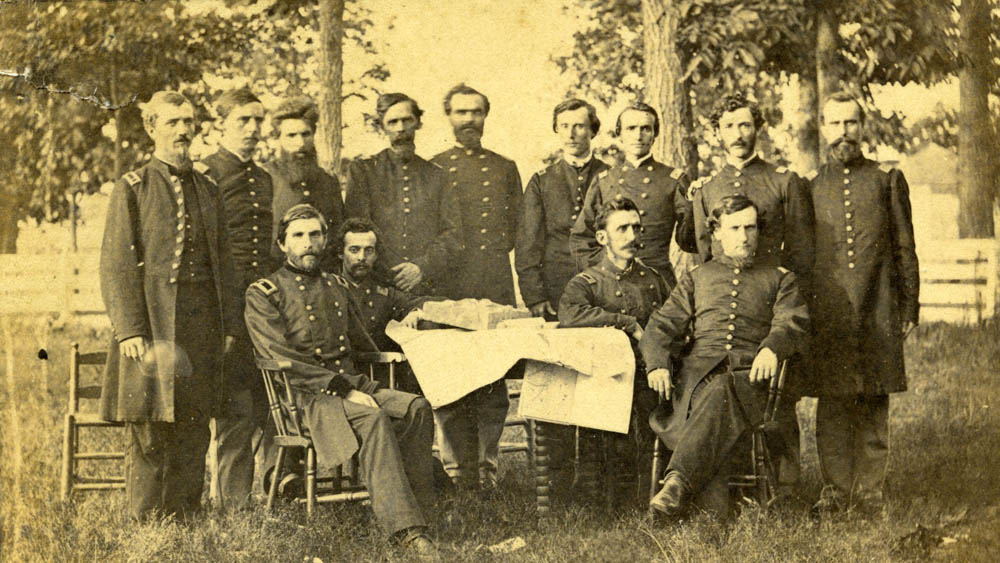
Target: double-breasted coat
x,y
141,254
552,201
866,278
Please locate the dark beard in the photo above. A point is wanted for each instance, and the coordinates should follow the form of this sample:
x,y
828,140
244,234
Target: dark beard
x,y
845,151
469,136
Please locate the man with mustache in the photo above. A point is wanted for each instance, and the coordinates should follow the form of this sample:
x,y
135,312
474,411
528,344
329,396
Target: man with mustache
x,y
620,291
246,197
168,285
865,302
659,191
297,175
487,187
552,201
304,315
730,323
408,199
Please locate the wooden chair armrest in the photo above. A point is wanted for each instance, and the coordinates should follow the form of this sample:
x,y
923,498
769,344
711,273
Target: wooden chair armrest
x,y
379,357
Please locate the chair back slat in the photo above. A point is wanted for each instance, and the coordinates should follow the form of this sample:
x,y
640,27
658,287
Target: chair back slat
x,y
274,405
88,392
93,359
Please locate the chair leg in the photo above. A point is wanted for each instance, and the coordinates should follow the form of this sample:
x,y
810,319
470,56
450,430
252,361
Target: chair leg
x,y
529,438
543,480
310,480
657,471
68,455
272,491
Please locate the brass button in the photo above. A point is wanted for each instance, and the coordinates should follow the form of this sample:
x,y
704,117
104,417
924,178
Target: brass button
x,y
306,193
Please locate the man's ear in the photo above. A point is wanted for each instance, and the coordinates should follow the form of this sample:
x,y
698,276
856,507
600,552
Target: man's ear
x,y
602,237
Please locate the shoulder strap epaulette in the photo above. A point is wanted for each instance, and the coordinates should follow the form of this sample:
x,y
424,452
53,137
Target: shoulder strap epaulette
x,y
811,175
132,178
265,286
589,278
676,174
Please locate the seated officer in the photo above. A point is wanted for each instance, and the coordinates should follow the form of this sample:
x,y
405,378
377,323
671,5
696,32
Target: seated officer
x,y
303,315
620,291
744,320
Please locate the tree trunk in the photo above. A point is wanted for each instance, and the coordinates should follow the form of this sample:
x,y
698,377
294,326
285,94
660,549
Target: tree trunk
x,y
8,226
331,31
827,52
665,91
975,139
805,156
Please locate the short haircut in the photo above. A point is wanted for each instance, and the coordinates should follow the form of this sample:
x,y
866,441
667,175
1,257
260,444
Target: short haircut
x,y
844,96
644,108
609,207
463,88
296,212
168,97
574,104
733,102
296,108
729,205
357,225
386,101
232,99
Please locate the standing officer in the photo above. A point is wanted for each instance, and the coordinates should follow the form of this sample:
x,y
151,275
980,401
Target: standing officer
x,y
408,199
167,283
246,197
786,237
865,303
487,187
659,191
296,174
303,315
620,291
552,202
743,318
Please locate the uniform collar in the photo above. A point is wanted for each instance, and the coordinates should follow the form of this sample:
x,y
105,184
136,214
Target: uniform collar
x,y
233,156
578,162
183,170
398,157
608,266
648,159
313,274
353,281
742,165
731,262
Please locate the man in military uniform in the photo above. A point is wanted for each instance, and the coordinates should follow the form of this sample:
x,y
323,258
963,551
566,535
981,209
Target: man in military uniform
x,y
297,175
745,318
620,292
408,199
304,315
167,283
246,197
552,201
659,191
487,187
865,302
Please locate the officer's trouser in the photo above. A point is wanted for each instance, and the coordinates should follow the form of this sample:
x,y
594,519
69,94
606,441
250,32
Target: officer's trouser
x,y
852,438
233,435
165,467
469,433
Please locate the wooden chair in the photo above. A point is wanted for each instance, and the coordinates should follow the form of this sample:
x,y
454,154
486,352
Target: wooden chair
x,y
760,483
71,480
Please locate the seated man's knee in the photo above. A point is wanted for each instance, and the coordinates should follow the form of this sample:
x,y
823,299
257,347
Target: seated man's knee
x,y
419,407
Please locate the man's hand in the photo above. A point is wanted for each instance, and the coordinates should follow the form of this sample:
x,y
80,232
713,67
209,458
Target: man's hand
x,y
907,328
659,381
541,309
411,319
229,344
408,275
134,348
360,398
765,365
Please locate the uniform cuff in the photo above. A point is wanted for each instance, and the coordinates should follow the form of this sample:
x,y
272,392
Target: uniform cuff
x,y
340,385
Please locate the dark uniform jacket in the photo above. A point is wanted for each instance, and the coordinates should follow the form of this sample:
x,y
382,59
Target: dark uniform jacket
x,y
552,201
487,187
784,201
378,304
731,309
414,207
307,319
296,182
660,193
866,280
141,253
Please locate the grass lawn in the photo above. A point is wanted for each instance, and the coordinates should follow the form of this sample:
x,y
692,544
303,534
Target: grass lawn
x,y
943,501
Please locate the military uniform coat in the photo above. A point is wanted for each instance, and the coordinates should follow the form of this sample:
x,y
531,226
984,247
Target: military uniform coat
x,y
783,198
144,239
414,207
307,319
296,182
552,201
732,309
487,187
867,279
660,193
379,304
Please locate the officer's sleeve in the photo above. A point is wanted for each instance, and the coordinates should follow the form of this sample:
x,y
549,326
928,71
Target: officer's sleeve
x,y
583,243
790,323
513,206
529,246
232,292
121,266
703,239
357,202
267,332
664,333
904,248
684,211
576,309
404,302
800,230
448,242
